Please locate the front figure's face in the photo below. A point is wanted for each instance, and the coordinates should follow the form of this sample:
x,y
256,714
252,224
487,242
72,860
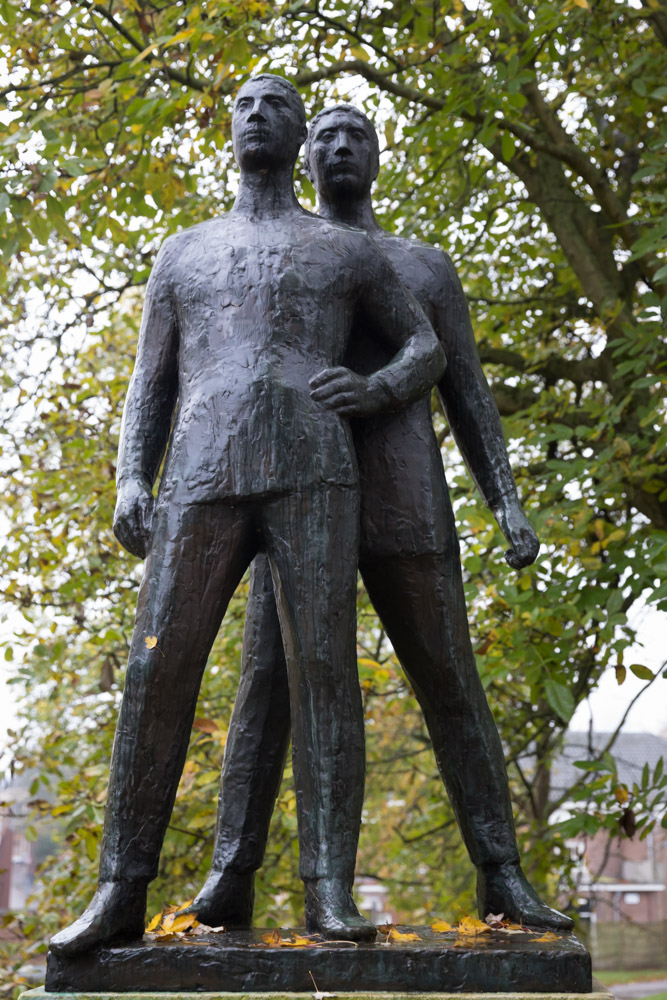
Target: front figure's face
x,y
267,129
342,161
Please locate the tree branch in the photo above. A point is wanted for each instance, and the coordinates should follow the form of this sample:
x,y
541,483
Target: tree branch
x,y
554,368
185,79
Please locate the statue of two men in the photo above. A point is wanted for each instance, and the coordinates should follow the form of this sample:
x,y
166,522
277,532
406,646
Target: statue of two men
x,y
264,331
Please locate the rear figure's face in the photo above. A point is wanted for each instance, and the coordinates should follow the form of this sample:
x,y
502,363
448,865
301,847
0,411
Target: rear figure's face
x,y
267,129
342,158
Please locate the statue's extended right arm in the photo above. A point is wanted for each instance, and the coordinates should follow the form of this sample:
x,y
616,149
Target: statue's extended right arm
x,y
148,412
419,360
475,422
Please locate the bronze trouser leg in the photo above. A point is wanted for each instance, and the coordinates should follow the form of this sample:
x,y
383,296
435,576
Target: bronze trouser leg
x,y
258,735
198,555
328,742
312,542
420,600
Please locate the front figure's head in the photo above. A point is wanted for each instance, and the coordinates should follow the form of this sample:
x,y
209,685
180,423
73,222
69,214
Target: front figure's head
x,y
342,153
268,123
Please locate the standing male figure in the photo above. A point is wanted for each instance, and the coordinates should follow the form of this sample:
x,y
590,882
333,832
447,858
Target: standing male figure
x,y
244,316
409,561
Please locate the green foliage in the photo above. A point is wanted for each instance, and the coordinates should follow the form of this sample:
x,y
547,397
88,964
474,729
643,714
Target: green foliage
x,y
524,138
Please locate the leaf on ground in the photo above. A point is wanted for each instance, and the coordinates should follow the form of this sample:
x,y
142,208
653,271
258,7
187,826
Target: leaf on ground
x,y
272,938
549,936
396,935
183,922
298,941
494,920
177,907
441,927
155,923
472,927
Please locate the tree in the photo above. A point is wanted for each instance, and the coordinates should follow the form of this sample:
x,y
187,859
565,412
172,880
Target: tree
x,y
526,139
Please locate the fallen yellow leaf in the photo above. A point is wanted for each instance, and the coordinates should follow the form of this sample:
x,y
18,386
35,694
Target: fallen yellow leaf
x,y
298,941
154,924
183,922
151,641
272,938
396,935
179,907
472,927
549,936
441,927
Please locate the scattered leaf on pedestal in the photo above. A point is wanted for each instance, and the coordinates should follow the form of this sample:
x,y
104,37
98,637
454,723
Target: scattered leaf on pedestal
x,y
472,927
396,935
441,927
155,923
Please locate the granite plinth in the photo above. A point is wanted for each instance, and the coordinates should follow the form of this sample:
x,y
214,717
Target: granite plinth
x,y
242,962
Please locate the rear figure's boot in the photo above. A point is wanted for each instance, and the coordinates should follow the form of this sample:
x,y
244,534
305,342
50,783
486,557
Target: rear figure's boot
x,y
503,888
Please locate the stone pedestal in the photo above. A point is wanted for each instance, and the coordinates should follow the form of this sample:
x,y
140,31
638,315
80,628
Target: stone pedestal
x,y
599,993
244,962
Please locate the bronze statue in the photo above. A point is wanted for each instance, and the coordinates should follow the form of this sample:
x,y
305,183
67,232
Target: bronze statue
x,y
239,376
409,561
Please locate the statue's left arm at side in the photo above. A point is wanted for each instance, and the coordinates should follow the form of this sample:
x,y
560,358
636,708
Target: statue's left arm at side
x,y
475,422
148,410
419,360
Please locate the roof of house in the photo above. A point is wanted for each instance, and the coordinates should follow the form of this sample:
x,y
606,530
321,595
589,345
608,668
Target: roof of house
x,y
631,751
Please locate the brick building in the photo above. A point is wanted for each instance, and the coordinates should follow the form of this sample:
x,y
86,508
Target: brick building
x,y
620,876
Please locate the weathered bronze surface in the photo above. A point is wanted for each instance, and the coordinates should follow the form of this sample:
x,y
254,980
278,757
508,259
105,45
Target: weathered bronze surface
x,y
285,370
409,561
240,961
239,376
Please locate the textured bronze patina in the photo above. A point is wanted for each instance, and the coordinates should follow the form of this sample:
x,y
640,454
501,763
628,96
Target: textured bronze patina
x,y
239,376
285,370
409,561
